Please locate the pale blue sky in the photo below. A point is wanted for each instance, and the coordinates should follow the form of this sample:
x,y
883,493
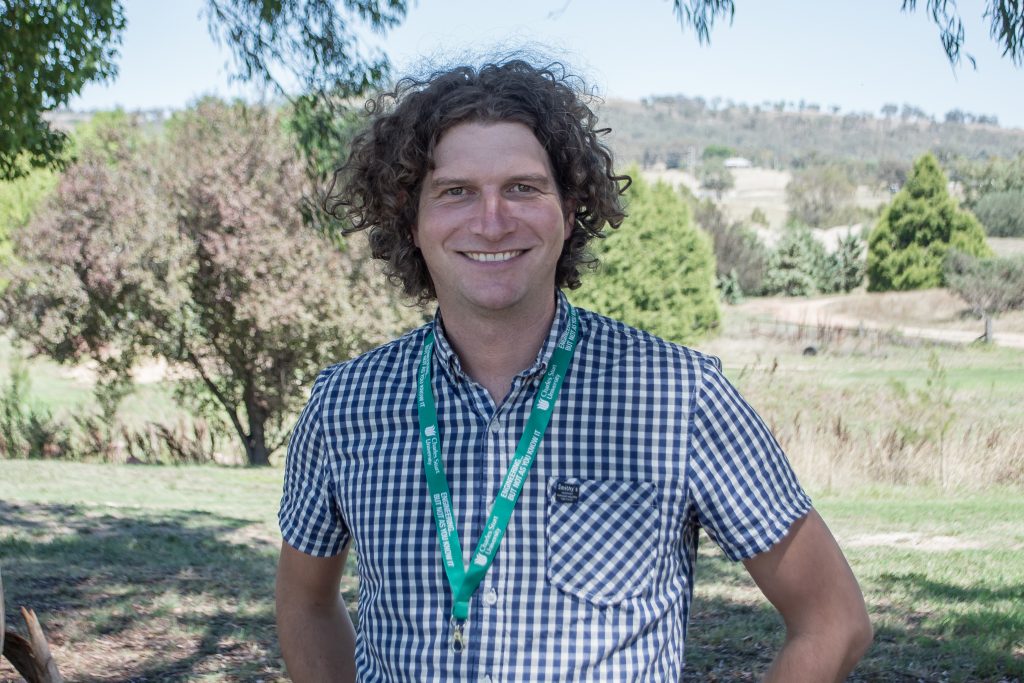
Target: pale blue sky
x,y
858,56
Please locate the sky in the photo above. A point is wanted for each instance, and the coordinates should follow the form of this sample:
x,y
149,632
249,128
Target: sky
x,y
858,56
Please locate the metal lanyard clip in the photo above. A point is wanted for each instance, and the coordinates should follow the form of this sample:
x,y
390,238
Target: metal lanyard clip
x,y
458,635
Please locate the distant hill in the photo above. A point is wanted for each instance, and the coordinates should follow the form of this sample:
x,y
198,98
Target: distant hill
x,y
674,131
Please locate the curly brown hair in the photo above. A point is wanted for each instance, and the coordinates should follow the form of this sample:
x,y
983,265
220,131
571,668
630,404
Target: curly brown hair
x,y
378,187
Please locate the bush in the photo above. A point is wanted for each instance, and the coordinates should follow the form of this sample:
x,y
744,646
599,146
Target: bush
x,y
848,263
799,265
739,253
716,177
1002,213
28,430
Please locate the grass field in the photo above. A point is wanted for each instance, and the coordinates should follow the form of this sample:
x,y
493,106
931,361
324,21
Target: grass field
x,y
160,573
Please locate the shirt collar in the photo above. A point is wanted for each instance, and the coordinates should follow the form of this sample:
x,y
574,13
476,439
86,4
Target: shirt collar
x,y
449,360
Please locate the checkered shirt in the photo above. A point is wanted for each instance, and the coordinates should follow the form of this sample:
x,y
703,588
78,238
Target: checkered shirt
x,y
593,581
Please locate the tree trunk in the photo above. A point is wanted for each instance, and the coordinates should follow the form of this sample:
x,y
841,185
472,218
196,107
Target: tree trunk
x,y
988,329
256,452
30,656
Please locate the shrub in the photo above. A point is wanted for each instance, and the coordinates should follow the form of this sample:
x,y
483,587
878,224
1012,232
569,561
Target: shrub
x,y
799,265
26,429
739,253
1002,213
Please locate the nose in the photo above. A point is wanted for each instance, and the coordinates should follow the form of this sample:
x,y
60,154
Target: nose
x,y
493,221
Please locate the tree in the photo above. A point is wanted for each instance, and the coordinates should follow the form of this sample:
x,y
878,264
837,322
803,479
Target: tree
x,y
52,48
671,290
978,178
908,245
989,286
1006,24
741,259
849,265
18,201
799,265
717,152
1002,213
202,259
715,176
821,196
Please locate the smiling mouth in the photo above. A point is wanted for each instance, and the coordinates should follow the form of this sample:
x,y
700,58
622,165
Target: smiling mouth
x,y
492,257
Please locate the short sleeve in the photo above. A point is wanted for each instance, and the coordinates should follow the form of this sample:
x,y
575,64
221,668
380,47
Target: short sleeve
x,y
309,517
745,494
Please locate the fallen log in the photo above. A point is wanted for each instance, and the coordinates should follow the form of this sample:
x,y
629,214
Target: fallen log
x,y
30,656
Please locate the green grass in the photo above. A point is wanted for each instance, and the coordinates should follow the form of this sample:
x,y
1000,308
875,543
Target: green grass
x,y
55,387
166,573
943,577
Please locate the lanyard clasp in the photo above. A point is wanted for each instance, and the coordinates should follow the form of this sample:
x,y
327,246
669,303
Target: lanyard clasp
x,y
458,642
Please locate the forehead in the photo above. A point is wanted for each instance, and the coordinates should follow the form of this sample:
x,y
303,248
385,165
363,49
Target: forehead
x,y
490,146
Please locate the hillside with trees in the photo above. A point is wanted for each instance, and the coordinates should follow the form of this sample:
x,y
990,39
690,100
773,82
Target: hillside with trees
x,y
675,130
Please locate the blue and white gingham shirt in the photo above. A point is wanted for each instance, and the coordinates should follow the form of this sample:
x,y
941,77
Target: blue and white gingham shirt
x,y
594,578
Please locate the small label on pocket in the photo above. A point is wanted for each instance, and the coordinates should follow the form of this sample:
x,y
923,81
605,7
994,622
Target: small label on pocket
x,y
566,492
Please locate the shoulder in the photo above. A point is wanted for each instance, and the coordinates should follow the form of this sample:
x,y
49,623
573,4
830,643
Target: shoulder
x,y
615,338
377,369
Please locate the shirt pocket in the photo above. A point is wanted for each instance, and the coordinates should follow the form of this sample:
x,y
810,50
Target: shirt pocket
x,y
601,538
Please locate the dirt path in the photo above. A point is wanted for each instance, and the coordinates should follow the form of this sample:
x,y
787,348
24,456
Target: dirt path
x,y
816,311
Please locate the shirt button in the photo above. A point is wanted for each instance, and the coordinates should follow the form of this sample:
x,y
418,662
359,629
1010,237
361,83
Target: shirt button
x,y
491,597
495,426
485,679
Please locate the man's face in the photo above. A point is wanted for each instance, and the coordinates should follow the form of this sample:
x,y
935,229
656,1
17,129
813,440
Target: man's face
x,y
491,222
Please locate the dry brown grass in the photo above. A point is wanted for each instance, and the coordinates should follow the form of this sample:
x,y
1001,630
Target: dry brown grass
x,y
1007,246
875,409
932,308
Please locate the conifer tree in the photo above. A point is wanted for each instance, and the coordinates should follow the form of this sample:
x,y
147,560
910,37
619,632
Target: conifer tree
x,y
657,271
908,246
799,265
849,262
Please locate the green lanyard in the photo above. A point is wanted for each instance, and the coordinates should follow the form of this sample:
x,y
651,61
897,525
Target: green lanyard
x,y
464,582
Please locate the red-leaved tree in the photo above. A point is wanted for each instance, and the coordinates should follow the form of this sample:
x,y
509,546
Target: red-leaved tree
x,y
193,249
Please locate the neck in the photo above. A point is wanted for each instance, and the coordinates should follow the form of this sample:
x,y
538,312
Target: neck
x,y
494,349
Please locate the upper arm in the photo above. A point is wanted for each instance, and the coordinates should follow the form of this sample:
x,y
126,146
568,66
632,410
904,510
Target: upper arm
x,y
806,577
307,580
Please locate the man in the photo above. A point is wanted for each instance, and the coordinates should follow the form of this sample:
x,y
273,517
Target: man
x,y
583,454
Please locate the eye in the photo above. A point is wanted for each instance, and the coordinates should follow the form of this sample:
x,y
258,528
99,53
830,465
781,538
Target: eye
x,y
454,191
522,187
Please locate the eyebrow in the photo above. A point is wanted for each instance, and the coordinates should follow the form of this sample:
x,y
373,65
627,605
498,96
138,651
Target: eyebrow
x,y
451,181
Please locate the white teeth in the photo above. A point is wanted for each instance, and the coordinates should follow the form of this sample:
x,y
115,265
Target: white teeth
x,y
489,256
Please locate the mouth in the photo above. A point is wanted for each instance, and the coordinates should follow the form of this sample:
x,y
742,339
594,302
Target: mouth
x,y
492,257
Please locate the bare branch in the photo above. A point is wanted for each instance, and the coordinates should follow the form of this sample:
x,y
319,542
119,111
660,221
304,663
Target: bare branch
x,y
229,407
